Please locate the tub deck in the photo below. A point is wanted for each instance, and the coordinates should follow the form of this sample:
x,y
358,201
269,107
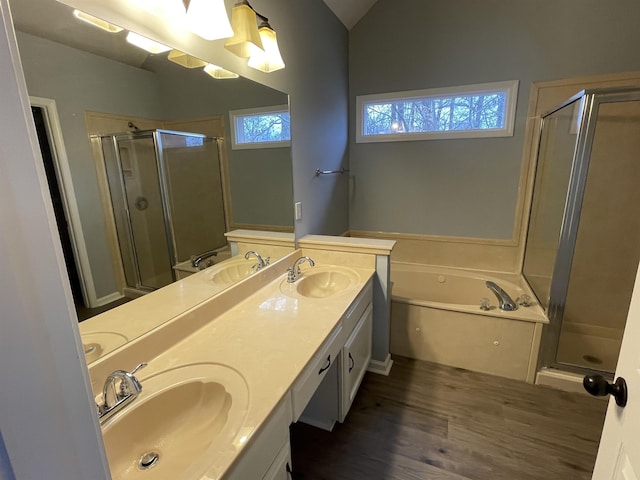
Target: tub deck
x,y
436,317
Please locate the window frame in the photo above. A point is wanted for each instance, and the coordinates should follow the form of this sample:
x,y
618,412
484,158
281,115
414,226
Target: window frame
x,y
245,112
509,87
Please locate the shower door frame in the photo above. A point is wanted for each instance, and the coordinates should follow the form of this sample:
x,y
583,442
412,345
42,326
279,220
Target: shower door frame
x,y
164,193
590,103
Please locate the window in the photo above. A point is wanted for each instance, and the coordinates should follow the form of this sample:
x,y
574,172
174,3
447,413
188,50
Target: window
x,y
266,127
483,110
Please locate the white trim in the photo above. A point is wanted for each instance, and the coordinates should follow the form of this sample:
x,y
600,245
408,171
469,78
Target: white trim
x,y
381,368
112,297
69,203
509,87
560,380
245,112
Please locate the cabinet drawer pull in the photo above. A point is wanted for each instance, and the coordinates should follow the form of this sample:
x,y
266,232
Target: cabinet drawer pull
x,y
352,362
326,366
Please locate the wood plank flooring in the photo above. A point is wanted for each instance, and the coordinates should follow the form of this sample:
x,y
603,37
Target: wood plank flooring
x,y
428,421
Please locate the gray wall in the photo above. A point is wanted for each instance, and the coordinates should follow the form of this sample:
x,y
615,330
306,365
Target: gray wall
x,y
468,187
315,77
78,82
261,179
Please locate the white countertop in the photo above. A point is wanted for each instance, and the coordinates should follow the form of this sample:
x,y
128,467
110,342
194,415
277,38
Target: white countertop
x,y
268,338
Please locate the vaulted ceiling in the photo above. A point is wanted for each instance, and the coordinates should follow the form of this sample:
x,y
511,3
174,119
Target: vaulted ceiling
x,y
350,11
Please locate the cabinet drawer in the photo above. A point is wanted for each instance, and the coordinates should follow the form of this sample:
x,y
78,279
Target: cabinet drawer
x,y
357,307
309,380
356,358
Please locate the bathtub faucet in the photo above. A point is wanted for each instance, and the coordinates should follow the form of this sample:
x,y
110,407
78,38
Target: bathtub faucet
x,y
506,303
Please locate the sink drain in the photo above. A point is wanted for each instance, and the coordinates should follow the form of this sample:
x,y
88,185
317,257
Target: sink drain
x,y
148,460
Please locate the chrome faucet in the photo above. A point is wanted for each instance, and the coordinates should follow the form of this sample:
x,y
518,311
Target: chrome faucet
x,y
504,300
294,272
120,388
261,262
197,259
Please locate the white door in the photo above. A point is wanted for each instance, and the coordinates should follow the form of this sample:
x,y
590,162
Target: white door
x,y
619,452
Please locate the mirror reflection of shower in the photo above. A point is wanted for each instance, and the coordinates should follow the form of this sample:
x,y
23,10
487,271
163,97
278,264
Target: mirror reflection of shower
x,y
583,242
167,198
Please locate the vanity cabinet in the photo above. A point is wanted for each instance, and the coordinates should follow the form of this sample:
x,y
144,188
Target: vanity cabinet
x,y
281,467
321,395
323,366
356,355
335,387
269,454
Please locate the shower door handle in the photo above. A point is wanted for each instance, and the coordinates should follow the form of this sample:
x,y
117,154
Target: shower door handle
x,y
597,385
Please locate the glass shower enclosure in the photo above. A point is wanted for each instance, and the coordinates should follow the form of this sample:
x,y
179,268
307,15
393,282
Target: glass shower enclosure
x,y
583,241
167,197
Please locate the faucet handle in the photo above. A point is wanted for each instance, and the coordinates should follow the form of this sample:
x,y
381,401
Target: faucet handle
x,y
291,275
485,304
138,367
130,382
524,300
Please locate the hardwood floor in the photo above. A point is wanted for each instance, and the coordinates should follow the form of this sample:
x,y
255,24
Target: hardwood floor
x,y
428,421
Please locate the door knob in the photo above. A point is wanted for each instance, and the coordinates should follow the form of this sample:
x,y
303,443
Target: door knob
x,y
598,386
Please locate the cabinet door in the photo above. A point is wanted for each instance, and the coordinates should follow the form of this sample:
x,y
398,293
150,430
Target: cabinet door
x,y
356,356
281,467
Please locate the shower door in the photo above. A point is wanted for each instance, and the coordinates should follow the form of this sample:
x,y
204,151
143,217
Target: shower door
x,y
136,195
167,196
590,257
194,197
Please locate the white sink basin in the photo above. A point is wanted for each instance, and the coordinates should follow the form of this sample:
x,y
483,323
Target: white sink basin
x,y
322,282
177,423
230,272
96,344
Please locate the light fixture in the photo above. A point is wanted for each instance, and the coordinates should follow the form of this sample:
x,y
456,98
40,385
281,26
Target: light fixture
x,y
184,59
219,72
96,22
208,19
147,44
161,8
245,31
269,59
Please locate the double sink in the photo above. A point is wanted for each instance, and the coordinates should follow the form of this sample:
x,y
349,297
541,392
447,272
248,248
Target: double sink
x,y
189,413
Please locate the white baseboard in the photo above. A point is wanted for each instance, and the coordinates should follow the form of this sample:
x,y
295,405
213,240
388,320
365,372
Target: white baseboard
x,y
381,368
561,380
112,297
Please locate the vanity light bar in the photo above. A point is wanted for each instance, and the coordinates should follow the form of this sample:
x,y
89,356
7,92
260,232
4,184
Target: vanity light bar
x,y
219,72
147,44
185,60
96,22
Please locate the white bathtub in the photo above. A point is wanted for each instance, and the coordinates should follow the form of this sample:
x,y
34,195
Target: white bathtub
x,y
436,316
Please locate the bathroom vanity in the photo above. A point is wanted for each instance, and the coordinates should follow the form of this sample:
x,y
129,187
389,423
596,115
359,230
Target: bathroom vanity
x,y
226,378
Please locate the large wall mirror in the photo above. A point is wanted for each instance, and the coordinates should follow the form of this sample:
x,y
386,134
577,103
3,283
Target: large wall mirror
x,y
94,85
